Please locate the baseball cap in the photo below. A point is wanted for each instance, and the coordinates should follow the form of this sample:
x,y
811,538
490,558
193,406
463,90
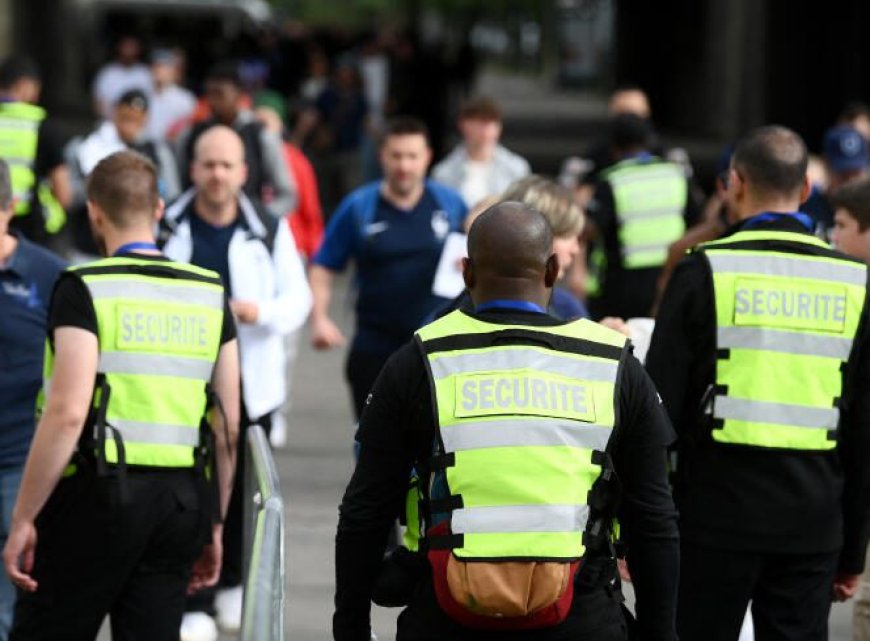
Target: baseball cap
x,y
845,149
134,98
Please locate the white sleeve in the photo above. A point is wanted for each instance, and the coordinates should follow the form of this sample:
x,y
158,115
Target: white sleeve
x,y
288,309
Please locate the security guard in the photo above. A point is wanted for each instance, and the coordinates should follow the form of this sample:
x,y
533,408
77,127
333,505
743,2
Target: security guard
x,y
34,151
642,205
114,508
531,420
760,354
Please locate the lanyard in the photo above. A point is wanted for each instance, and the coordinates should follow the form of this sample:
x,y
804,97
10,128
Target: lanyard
x,y
131,247
770,217
504,303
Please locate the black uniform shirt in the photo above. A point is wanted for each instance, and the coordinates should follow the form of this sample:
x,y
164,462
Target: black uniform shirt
x,y
397,432
743,498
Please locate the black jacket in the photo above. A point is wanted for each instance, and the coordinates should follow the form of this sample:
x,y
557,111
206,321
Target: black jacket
x,y
742,498
396,434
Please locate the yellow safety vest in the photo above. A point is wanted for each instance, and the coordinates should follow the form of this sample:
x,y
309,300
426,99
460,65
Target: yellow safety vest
x,y
524,417
649,200
159,330
19,134
787,312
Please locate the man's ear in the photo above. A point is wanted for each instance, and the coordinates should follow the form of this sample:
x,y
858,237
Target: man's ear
x,y
468,274
94,214
551,271
161,209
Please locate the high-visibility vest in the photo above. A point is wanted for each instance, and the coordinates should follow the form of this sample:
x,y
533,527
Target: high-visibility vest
x,y
19,134
159,330
649,200
787,312
524,417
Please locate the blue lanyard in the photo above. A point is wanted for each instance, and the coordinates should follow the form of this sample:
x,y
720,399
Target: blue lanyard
x,y
131,247
771,217
504,303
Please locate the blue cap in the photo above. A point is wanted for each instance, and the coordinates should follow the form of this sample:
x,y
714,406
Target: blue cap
x,y
845,149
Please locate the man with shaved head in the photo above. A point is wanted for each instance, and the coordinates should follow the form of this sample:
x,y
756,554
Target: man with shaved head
x,y
216,225
517,425
760,355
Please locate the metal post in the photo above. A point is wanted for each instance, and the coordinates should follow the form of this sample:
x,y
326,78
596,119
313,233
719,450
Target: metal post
x,y
263,613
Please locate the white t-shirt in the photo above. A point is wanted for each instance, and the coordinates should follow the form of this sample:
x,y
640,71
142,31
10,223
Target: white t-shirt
x,y
475,186
114,80
167,108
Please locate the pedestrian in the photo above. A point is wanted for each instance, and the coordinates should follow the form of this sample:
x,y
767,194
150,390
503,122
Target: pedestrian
x,y
851,233
480,165
518,425
306,227
27,275
215,226
641,206
33,147
122,74
268,177
760,355
115,515
394,230
171,103
846,158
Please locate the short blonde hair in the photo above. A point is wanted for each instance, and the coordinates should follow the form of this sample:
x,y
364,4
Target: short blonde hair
x,y
553,200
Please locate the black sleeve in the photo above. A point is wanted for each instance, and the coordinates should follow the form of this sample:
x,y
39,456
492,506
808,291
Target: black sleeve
x,y
680,358
601,209
49,148
647,514
71,305
853,446
228,329
694,204
376,492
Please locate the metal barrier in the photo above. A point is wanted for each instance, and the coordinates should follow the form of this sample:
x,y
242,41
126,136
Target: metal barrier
x,y
263,613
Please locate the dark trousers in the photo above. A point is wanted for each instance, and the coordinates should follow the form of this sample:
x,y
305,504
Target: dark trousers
x,y
95,556
790,593
361,370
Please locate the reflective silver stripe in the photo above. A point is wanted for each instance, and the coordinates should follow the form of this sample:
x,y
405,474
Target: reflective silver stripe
x,y
788,342
19,162
660,173
739,409
155,365
628,216
788,266
7,122
550,432
122,288
444,365
519,518
155,433
629,250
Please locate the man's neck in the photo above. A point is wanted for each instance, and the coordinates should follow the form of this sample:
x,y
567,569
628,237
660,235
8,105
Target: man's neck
x,y
402,201
8,245
218,215
773,207
480,154
117,239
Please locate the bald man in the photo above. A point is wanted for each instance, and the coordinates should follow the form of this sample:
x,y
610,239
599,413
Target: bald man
x,y
521,409
215,225
760,354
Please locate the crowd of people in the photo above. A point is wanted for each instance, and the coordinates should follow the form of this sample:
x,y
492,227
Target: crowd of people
x,y
759,337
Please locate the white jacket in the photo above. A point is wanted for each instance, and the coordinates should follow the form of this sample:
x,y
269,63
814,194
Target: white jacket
x,y
275,282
